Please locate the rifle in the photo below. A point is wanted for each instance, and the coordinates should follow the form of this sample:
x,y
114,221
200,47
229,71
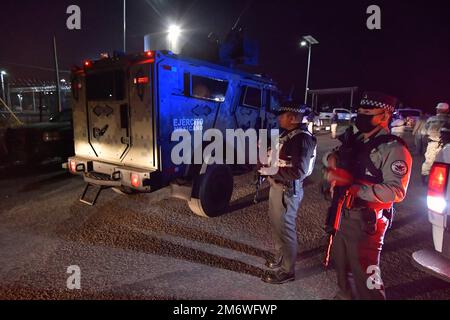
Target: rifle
x,y
342,199
341,196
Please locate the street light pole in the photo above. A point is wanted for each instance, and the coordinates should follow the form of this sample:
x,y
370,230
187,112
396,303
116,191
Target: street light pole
x,y
58,85
307,73
124,25
308,41
2,73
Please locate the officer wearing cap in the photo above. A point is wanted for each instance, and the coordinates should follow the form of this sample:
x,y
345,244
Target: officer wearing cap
x,y
432,127
377,177
444,142
295,156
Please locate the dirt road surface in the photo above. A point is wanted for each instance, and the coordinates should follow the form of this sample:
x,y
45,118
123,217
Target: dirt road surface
x,y
128,247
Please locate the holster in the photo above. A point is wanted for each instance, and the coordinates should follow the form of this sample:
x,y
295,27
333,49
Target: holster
x,y
367,216
290,188
369,220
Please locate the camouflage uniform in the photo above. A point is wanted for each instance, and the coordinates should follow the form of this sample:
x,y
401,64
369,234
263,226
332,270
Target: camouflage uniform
x,y
419,138
432,127
380,167
355,249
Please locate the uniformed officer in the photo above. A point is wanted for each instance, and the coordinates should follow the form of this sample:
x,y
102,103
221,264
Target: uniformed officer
x,y
444,142
377,177
419,135
432,127
334,124
296,154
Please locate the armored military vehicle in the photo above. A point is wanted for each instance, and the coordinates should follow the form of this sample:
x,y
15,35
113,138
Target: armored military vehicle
x,y
126,108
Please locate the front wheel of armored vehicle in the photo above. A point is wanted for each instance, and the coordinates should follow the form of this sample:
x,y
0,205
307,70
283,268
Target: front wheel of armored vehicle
x,y
211,191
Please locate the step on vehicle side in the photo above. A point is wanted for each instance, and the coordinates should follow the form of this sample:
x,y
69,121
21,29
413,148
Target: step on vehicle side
x,y
126,108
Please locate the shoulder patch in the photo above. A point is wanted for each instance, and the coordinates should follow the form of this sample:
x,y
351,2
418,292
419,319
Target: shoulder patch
x,y
399,168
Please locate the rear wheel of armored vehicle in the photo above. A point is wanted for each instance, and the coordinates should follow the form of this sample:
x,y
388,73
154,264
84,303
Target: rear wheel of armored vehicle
x,y
211,192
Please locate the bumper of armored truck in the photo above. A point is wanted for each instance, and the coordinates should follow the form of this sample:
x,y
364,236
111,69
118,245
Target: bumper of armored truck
x,y
112,175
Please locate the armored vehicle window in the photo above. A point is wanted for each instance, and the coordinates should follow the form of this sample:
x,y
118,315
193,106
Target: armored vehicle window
x,y
108,85
251,97
274,101
208,88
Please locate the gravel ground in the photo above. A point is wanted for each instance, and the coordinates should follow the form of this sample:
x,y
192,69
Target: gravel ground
x,y
129,247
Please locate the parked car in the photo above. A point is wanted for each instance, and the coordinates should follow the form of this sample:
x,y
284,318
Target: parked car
x,y
437,262
323,121
344,114
409,115
398,127
39,141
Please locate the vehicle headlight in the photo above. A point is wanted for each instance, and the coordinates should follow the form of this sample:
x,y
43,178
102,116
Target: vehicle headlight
x,y
51,136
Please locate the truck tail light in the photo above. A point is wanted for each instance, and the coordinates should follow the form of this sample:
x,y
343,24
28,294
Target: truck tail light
x,y
141,80
437,188
135,181
73,166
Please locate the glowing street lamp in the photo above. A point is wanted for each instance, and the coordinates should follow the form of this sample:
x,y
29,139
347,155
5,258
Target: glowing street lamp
x,y
174,32
173,36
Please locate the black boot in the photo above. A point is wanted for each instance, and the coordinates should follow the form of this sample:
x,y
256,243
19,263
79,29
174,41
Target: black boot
x,y
272,263
278,277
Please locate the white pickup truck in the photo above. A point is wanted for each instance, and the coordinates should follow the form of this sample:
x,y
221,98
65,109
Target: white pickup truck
x,y
323,121
437,262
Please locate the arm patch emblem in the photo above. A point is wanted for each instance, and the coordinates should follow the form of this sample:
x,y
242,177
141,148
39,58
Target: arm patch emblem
x,y
399,168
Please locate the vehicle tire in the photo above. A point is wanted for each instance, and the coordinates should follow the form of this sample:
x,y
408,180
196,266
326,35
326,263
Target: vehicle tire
x,y
211,192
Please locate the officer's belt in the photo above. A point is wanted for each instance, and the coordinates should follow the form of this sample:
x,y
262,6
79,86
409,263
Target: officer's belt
x,y
356,213
359,203
288,184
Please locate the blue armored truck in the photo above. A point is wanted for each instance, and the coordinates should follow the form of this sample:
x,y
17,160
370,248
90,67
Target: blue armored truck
x,y
126,107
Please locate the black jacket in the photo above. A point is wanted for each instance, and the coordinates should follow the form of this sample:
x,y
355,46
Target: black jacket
x,y
299,151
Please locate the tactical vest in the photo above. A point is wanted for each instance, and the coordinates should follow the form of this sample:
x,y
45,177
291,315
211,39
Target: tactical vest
x,y
363,168
354,156
289,136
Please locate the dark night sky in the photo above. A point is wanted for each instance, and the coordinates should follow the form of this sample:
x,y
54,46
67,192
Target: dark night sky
x,y
409,57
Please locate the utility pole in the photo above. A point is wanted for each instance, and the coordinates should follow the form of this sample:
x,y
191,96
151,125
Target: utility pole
x,y
124,25
307,74
58,89
40,106
9,94
308,41
2,73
